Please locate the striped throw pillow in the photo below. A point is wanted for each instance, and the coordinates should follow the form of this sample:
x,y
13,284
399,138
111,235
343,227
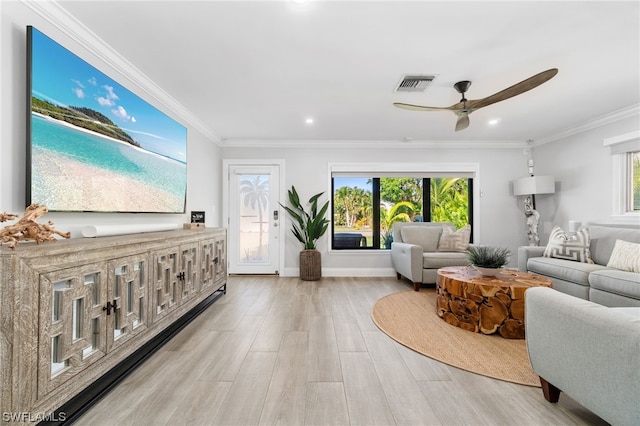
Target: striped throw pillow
x,y
569,246
625,256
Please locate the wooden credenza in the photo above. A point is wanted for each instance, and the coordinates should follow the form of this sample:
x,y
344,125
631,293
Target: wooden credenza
x,y
76,314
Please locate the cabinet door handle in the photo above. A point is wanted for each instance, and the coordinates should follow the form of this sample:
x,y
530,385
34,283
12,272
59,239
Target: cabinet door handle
x,y
111,306
180,276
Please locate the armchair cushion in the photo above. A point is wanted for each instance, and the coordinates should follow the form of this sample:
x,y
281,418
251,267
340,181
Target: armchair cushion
x,y
439,259
425,237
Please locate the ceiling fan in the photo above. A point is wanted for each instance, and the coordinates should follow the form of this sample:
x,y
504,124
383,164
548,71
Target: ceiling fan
x,y
465,107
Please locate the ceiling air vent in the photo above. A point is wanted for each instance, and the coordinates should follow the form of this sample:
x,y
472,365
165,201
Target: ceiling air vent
x,y
414,83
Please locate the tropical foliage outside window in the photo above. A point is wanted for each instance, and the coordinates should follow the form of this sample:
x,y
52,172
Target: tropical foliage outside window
x,y
370,206
634,180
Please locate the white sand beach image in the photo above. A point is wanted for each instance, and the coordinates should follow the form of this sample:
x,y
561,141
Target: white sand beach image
x,y
80,170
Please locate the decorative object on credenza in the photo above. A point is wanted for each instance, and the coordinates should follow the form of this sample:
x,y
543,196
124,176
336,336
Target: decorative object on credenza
x,y
488,260
197,217
308,227
529,187
27,228
197,221
193,225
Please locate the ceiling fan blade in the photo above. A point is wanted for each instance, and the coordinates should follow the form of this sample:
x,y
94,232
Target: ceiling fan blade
x,y
463,122
516,89
420,107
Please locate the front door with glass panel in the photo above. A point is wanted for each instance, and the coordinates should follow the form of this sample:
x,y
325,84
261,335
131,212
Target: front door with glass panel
x,y
254,219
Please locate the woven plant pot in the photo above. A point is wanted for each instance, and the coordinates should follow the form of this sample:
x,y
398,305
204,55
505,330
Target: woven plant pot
x,y
310,265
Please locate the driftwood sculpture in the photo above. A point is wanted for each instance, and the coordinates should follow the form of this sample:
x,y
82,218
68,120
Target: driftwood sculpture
x,y
27,228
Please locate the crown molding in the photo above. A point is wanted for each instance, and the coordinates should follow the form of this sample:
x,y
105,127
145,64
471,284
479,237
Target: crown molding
x,y
62,20
603,120
57,16
333,144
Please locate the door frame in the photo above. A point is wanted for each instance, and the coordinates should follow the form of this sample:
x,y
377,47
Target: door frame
x,y
226,165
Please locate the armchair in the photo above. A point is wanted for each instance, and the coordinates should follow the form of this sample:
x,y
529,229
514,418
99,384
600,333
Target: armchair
x,y
419,249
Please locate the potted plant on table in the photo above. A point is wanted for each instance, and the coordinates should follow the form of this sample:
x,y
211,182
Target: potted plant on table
x,y
488,260
308,227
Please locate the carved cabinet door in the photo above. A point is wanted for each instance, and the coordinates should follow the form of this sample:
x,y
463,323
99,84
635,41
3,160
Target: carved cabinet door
x,y
221,259
127,305
72,332
165,283
189,274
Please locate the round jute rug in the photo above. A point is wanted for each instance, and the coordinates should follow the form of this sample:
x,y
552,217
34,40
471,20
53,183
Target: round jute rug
x,y
410,318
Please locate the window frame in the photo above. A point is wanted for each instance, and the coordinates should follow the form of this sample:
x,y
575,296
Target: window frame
x,y
621,146
377,170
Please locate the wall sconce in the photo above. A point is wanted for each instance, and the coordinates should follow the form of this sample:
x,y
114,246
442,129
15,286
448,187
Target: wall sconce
x,y
529,187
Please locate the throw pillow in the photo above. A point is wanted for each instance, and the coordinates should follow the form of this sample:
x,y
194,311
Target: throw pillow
x,y
452,240
425,236
625,256
569,246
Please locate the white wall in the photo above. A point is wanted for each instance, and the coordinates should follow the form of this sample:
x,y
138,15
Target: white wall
x,y
582,167
499,221
580,163
203,155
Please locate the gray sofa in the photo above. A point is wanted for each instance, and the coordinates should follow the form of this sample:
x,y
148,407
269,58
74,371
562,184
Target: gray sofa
x,y
588,351
420,263
595,282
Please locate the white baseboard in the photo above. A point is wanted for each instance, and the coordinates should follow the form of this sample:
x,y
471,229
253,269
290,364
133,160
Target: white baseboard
x,y
346,272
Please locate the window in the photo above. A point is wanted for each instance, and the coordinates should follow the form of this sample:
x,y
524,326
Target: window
x,y
625,154
633,181
365,205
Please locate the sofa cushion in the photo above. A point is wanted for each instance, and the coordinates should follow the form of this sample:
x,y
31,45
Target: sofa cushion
x,y
618,282
440,259
569,247
426,237
625,256
452,240
575,272
603,240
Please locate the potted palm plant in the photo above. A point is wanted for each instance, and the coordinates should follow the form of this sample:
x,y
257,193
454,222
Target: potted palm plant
x,y
308,227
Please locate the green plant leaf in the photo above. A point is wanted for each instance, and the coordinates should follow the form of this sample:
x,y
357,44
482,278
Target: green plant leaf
x,y
307,227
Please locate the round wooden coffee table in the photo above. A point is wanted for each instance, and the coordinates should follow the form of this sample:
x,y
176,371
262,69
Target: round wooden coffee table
x,y
478,303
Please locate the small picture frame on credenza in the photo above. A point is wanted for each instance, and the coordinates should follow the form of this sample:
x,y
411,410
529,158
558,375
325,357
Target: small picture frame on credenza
x,y
197,220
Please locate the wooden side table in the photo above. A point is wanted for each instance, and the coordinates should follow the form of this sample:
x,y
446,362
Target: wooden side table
x,y
478,303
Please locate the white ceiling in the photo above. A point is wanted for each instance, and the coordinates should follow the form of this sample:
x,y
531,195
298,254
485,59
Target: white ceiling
x,y
256,70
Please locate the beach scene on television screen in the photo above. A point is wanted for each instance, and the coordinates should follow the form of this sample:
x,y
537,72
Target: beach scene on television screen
x,y
96,146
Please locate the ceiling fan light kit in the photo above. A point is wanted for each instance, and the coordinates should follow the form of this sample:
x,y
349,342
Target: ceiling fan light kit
x,y
465,107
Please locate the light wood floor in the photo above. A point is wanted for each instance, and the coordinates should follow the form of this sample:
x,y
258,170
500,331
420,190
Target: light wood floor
x,y
283,351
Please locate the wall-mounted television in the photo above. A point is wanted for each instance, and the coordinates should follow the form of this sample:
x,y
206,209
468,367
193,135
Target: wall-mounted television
x,y
93,145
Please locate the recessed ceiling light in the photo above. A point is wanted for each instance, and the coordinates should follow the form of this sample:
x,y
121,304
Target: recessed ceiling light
x,y
494,121
309,120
